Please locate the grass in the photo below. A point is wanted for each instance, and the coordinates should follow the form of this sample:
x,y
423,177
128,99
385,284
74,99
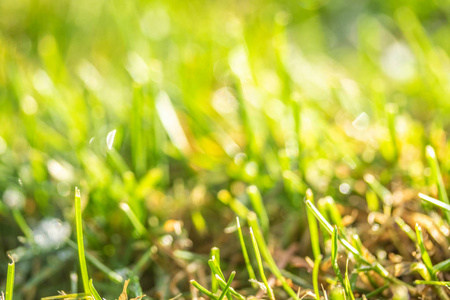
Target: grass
x,y
321,125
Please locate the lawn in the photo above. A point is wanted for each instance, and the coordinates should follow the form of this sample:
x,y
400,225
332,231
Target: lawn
x,y
224,149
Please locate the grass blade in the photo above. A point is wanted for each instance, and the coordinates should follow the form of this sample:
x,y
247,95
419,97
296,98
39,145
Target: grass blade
x,y
334,254
10,279
425,256
436,171
253,222
313,229
20,220
430,282
203,289
236,206
347,285
227,287
140,229
436,202
442,266
81,256
260,265
98,264
94,292
68,296
223,284
248,265
315,275
405,227
258,206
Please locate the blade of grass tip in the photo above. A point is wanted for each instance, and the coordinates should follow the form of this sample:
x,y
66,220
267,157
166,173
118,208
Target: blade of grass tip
x,y
258,206
10,279
227,287
140,229
203,289
248,265
313,228
315,275
442,266
223,284
334,255
81,255
94,292
435,202
260,265
425,256
253,222
436,171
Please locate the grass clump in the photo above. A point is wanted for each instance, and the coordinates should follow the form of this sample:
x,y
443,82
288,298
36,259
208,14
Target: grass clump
x,y
321,125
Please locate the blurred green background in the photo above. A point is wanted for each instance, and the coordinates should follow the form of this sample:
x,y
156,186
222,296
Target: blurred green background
x,y
161,104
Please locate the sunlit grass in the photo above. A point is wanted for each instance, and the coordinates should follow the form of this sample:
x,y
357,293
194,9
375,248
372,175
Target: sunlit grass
x,y
174,118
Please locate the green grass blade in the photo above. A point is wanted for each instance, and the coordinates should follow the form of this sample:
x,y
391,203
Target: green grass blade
x,y
347,285
81,255
319,217
228,285
260,265
10,279
406,229
442,266
94,292
68,296
236,206
114,276
425,256
20,220
335,215
258,206
313,228
334,255
223,284
430,282
381,191
140,229
203,289
377,291
315,275
248,265
214,264
253,222
435,202
436,173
